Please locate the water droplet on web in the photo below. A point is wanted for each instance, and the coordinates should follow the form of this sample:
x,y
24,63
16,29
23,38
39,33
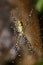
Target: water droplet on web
x,y
19,55
30,15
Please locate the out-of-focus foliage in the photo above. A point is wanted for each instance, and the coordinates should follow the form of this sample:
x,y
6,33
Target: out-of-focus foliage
x,y
39,63
39,5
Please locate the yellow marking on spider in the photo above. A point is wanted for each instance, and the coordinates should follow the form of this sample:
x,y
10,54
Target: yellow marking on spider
x,y
17,41
20,28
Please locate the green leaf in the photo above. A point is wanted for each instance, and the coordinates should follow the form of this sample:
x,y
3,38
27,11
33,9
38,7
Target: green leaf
x,y
39,63
39,5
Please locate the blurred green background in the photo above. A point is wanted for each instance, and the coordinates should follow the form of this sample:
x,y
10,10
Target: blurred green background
x,y
39,5
39,63
39,8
